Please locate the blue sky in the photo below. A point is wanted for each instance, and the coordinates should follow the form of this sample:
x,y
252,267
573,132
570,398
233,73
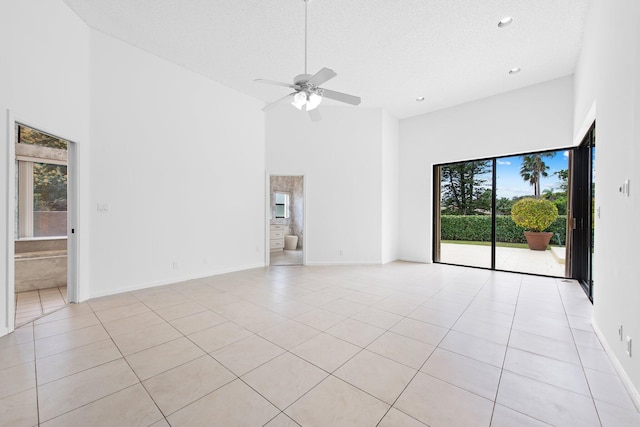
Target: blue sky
x,y
510,183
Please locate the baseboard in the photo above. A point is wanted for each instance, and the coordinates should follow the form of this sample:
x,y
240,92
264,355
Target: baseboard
x,y
633,391
139,286
416,260
4,331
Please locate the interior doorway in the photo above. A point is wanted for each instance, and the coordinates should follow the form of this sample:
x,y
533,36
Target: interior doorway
x,y
41,223
286,220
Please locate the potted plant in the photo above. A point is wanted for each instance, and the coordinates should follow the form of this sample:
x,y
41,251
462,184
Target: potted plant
x,y
535,216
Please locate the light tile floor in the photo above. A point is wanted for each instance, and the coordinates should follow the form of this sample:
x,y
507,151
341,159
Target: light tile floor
x,y
32,304
285,257
395,345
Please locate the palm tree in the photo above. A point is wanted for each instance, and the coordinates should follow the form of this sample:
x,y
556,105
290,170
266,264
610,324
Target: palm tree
x,y
533,167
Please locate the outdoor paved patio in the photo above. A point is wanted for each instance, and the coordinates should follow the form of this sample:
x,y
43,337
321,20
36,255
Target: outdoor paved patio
x,y
508,259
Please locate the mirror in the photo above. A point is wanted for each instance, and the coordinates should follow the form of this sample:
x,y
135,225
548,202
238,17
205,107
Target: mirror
x,y
281,204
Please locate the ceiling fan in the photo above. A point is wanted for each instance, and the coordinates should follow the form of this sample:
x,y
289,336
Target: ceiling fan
x,y
307,91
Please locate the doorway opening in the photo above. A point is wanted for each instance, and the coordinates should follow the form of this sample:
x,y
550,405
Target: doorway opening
x,y
286,220
41,221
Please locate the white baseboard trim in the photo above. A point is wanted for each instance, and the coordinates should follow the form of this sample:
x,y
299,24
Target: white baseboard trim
x,y
633,391
138,286
416,260
4,331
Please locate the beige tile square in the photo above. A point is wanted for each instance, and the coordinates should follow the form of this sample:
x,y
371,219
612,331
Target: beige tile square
x,y
164,301
615,416
551,371
129,407
116,313
43,330
379,318
320,319
63,395
609,388
142,339
198,322
505,417
421,331
346,307
402,349
180,386
219,336
246,354
338,404
58,343
464,372
284,379
395,418
70,310
20,410
162,423
395,306
180,310
17,379
78,359
545,402
16,355
289,334
257,320
475,348
435,402
282,420
232,405
326,351
155,360
291,309
355,332
131,324
111,301
377,375
560,350
20,335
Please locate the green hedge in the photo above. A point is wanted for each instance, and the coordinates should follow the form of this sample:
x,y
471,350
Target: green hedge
x,y
477,228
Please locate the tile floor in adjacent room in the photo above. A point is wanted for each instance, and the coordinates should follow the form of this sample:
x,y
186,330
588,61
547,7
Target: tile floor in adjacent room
x,y
285,257
395,345
32,304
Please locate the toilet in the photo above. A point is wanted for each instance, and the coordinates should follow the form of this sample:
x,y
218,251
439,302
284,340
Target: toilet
x,y
290,243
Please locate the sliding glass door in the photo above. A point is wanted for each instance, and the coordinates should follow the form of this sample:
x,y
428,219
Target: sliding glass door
x,y
473,222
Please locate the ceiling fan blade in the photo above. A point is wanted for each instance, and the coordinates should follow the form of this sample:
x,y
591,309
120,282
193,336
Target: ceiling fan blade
x,y
315,115
321,76
272,82
339,96
274,103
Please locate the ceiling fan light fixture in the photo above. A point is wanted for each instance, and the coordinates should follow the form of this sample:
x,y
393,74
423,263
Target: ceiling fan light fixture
x,y
299,100
313,101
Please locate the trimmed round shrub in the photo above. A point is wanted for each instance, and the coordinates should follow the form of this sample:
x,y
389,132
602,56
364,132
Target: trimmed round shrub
x,y
534,214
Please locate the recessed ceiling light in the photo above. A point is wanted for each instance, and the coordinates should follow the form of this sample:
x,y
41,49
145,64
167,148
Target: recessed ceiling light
x,y
420,98
515,70
505,22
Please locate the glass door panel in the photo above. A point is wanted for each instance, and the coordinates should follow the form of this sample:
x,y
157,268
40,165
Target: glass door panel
x,y
541,176
463,232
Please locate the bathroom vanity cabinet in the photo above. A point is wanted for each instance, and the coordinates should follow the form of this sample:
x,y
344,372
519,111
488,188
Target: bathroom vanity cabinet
x,y
278,231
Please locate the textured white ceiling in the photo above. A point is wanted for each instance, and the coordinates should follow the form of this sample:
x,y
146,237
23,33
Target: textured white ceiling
x,y
386,51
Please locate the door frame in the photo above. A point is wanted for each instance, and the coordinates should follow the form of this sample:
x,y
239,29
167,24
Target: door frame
x,y
267,250
72,213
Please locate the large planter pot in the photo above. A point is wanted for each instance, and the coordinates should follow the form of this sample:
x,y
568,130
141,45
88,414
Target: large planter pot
x,y
538,241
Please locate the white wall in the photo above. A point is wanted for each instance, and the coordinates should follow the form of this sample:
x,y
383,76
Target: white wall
x,y
538,117
609,74
390,186
44,82
179,159
341,158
